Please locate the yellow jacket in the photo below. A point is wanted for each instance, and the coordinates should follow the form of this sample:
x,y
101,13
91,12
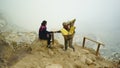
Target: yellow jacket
x,y
64,31
72,30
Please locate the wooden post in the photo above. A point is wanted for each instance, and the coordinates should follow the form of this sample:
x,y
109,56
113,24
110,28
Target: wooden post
x,y
52,38
83,42
98,49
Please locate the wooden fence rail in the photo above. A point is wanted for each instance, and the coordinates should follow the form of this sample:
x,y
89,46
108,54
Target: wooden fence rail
x,y
97,51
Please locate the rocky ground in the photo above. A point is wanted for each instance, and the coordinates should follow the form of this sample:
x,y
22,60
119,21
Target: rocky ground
x,y
12,44
37,55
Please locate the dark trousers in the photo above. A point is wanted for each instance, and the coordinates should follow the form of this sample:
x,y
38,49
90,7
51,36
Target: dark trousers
x,y
68,39
47,37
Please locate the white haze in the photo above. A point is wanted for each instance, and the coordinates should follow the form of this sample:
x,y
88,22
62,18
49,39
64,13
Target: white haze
x,y
93,17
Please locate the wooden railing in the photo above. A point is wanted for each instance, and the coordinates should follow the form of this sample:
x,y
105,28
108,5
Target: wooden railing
x,y
97,51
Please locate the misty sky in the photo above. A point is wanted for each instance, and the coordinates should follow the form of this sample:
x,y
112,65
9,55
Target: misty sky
x,y
91,15
99,18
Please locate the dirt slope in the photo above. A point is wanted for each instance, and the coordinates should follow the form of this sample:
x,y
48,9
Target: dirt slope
x,y
42,57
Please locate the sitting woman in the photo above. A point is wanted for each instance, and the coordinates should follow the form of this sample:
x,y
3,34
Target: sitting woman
x,y
44,34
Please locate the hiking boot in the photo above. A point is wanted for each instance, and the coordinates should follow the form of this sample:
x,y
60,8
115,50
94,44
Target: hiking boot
x,y
49,46
74,49
64,49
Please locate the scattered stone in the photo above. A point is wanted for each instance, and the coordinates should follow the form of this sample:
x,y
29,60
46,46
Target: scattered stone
x,y
54,66
89,61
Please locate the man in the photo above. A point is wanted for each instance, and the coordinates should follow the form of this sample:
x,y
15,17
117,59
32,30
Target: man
x,y
68,31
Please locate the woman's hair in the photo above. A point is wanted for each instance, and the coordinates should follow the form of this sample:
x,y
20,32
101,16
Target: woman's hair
x,y
44,23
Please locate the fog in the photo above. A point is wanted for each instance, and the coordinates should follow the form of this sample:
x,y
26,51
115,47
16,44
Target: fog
x,y
98,17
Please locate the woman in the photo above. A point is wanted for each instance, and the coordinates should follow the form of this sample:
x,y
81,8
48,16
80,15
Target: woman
x,y
44,34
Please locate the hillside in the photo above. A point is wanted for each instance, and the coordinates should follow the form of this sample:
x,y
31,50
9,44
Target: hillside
x,y
35,54
39,56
